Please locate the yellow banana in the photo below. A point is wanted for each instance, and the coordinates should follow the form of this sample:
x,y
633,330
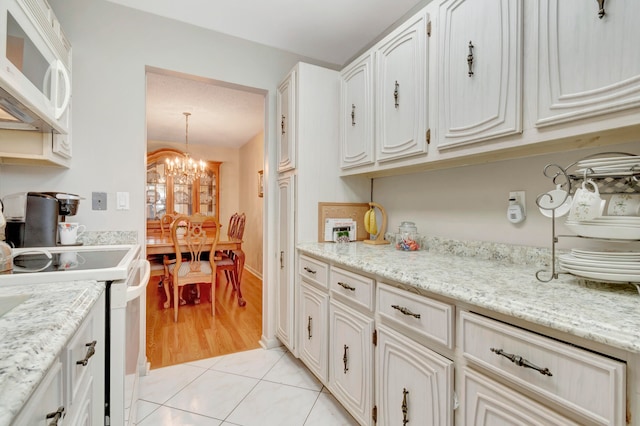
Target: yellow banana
x,y
366,220
373,225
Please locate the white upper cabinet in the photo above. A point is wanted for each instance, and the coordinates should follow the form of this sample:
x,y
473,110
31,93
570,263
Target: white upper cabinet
x,y
356,113
286,113
479,70
401,90
588,64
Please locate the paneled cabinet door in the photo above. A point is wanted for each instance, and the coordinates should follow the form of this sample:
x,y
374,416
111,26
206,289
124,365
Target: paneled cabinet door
x,y
356,113
488,403
414,384
588,63
286,126
402,90
285,287
351,360
314,330
479,70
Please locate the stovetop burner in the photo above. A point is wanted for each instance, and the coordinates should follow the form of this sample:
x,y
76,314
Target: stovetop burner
x,y
67,260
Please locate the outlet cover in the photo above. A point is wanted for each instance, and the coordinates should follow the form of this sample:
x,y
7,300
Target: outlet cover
x,y
98,200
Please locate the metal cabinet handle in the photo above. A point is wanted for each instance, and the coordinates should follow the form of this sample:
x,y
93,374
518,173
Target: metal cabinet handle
x,y
519,361
405,311
396,94
601,12
282,260
353,114
55,416
309,327
282,124
405,407
90,352
346,286
309,270
470,59
345,358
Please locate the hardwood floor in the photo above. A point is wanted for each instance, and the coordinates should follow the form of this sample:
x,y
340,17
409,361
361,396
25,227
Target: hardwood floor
x,y
197,334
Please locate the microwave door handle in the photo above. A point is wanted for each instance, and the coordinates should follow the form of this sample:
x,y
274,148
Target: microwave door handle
x,y
59,69
134,291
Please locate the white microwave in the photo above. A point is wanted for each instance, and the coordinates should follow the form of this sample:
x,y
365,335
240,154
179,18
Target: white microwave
x,y
35,68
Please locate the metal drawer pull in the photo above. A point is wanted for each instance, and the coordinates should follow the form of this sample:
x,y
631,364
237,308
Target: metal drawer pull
x,y
405,408
90,352
309,327
518,360
470,59
601,8
395,94
353,114
345,358
346,286
281,260
309,270
405,311
282,124
55,416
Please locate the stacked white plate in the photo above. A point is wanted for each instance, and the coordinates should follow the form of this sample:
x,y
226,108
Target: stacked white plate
x,y
622,164
604,266
613,227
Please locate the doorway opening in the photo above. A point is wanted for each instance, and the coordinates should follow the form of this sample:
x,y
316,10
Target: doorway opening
x,y
227,126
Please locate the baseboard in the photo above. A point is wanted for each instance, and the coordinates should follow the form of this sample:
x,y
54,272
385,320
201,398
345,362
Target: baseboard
x,y
253,272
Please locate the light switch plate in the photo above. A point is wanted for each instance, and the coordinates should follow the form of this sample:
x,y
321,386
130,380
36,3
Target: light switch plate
x,y
98,200
122,200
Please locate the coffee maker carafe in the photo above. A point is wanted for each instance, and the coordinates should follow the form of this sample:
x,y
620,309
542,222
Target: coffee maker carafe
x,y
32,217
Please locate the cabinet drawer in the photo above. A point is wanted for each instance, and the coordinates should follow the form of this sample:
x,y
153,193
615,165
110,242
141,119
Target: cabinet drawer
x,y
587,384
314,271
426,317
355,289
80,350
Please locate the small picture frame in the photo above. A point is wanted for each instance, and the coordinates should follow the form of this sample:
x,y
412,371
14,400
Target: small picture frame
x,y
261,183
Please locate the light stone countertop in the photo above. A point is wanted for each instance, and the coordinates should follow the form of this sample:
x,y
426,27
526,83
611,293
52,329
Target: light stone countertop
x,y
33,334
605,313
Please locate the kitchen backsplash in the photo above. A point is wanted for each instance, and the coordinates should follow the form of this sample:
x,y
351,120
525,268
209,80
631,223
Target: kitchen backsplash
x,y
101,238
520,255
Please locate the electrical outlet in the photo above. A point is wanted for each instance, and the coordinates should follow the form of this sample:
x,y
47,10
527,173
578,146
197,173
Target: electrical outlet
x,y
519,198
98,200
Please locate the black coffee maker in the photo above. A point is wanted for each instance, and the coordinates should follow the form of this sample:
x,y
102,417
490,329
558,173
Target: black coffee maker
x,y
32,217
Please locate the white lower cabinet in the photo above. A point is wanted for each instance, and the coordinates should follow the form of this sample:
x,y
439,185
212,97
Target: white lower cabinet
x,y
414,385
314,330
351,360
72,391
580,384
488,403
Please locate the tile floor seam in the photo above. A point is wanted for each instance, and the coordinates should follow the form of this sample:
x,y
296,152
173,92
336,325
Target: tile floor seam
x,y
312,407
241,400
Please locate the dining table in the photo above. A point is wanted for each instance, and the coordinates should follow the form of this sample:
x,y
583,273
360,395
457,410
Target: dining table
x,y
158,245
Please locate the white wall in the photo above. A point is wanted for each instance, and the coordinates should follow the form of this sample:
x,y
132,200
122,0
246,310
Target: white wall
x,y
111,47
251,161
470,203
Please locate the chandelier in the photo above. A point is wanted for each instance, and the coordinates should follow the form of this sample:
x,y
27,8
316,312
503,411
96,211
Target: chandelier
x,y
184,168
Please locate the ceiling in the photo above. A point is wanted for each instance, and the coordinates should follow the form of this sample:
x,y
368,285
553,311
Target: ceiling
x,y
328,31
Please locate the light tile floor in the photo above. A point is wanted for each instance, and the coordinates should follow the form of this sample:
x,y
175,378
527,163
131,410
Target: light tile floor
x,y
257,387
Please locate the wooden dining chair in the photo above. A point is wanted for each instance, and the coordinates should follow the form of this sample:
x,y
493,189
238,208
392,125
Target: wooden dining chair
x,y
227,260
190,266
159,262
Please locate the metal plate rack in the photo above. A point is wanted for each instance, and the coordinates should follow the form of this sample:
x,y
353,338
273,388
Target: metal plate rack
x,y
569,179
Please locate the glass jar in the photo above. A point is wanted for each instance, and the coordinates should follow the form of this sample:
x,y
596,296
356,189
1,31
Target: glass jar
x,y
408,238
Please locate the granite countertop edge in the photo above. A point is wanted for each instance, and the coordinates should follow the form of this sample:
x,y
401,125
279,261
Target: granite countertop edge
x,y
600,312
34,334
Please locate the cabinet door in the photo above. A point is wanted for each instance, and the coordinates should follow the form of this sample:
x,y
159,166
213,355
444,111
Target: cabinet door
x,y
314,329
586,66
351,360
46,399
285,287
479,70
286,125
356,113
401,96
414,384
488,403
